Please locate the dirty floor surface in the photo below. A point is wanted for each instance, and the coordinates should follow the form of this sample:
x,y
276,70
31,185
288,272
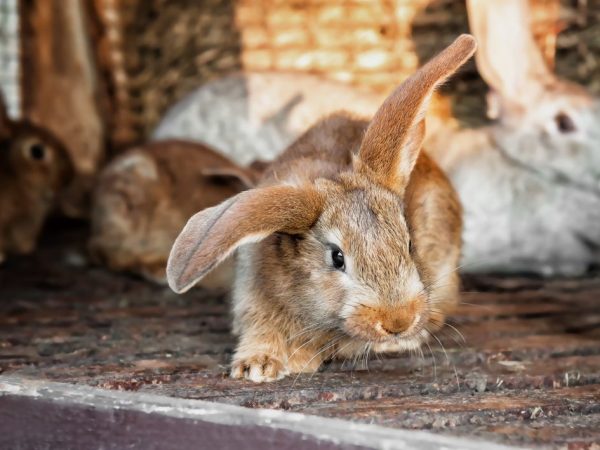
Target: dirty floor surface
x,y
519,365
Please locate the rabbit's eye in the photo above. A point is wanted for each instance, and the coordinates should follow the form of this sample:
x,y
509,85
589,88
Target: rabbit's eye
x,y
564,123
410,246
337,257
37,152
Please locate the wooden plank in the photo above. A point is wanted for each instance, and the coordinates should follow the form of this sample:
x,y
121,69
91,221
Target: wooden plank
x,y
574,432
493,405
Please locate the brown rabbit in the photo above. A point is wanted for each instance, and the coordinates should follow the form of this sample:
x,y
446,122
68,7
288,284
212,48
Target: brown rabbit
x,y
34,167
144,197
350,246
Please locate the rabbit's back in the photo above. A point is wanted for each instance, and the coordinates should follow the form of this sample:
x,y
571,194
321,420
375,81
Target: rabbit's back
x,y
515,218
258,115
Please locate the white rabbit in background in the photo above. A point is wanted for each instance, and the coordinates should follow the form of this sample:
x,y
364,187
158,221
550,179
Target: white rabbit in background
x,y
258,115
530,182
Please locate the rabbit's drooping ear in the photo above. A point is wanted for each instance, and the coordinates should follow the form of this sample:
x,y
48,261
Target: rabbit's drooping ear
x,y
508,58
393,139
214,233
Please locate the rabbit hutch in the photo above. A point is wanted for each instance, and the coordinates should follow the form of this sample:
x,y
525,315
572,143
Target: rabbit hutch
x,y
96,350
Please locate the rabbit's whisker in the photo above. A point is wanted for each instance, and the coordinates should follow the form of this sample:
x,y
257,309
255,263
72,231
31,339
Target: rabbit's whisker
x,y
324,349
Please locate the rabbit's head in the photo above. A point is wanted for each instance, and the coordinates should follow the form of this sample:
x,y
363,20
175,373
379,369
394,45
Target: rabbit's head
x,y
334,250
144,196
546,124
32,155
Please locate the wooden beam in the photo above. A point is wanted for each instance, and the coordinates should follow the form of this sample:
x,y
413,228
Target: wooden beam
x,y
111,65
59,84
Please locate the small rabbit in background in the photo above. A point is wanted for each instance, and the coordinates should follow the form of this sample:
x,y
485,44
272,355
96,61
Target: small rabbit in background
x,y
144,197
352,239
257,115
34,168
530,182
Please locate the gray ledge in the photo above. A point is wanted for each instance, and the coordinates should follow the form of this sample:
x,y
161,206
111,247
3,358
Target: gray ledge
x,y
43,414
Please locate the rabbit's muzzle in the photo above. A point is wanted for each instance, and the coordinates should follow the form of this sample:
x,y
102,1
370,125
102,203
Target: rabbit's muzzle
x,y
388,322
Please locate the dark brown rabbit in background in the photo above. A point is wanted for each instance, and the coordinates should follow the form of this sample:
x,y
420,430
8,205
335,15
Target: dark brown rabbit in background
x,y
350,244
34,167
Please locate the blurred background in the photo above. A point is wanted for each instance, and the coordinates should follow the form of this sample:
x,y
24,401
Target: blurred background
x,y
100,75
133,59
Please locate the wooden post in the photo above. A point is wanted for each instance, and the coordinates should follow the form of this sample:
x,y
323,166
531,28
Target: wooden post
x,y
111,64
59,86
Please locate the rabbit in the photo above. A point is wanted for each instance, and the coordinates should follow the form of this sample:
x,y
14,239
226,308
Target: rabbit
x,y
256,115
530,181
34,168
144,196
348,244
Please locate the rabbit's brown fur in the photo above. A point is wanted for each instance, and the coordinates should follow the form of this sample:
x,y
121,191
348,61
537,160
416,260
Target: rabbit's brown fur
x,y
143,198
348,189
34,166
432,211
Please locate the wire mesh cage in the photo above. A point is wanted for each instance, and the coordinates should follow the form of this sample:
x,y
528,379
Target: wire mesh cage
x,y
9,55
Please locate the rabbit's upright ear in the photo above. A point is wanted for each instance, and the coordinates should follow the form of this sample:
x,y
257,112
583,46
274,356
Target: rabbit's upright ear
x,y
214,233
393,139
508,58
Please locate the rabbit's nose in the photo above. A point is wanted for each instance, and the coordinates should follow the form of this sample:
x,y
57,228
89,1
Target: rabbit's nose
x,y
400,318
396,325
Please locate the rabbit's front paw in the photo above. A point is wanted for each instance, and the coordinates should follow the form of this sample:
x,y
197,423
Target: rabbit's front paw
x,y
258,368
